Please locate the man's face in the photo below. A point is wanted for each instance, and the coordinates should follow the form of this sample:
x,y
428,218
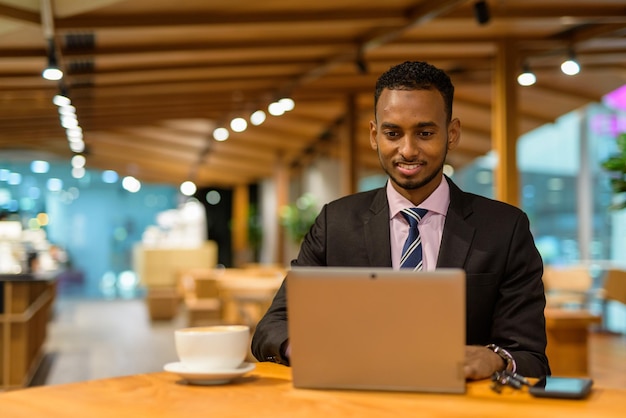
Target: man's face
x,y
412,139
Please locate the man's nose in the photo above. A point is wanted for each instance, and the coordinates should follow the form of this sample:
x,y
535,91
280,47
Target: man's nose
x,y
409,147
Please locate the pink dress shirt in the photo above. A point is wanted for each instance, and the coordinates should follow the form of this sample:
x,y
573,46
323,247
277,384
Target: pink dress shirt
x,y
430,227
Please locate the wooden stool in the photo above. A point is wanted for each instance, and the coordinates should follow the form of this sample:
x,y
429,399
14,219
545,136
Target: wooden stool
x,y
162,302
201,297
568,340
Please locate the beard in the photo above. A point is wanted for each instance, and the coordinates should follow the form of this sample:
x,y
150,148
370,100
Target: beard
x,y
412,184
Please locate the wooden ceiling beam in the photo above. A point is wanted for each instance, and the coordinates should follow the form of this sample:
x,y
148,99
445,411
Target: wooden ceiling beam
x,y
20,14
198,86
545,10
143,170
373,16
263,136
239,150
213,45
141,149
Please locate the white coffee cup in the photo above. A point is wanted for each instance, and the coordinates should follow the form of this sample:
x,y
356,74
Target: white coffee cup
x,y
211,348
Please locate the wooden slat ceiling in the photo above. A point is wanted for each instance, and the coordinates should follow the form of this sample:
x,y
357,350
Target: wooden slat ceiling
x,y
151,79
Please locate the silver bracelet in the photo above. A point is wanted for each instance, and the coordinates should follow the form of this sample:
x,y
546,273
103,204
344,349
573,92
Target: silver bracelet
x,y
511,366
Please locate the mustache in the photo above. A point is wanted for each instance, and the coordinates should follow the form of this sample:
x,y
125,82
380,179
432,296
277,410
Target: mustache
x,y
414,161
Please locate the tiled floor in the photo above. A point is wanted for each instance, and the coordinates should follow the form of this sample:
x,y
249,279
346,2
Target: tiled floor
x,y
96,338
92,339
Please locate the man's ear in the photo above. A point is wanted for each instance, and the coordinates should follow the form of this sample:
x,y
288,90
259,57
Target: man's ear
x,y
454,133
373,132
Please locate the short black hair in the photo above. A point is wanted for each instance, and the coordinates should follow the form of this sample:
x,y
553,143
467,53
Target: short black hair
x,y
416,75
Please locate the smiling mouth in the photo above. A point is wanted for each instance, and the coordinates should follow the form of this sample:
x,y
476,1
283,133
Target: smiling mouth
x,y
406,166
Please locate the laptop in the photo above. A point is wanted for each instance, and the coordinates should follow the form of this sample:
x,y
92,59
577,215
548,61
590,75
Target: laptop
x,y
377,329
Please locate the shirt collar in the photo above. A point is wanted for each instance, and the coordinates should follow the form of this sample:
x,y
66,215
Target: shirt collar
x,y
437,202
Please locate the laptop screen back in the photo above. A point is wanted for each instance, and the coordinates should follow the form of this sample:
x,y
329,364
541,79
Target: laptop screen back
x,y
377,329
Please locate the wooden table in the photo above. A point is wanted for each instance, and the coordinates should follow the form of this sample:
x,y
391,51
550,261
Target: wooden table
x,y
568,340
268,392
246,299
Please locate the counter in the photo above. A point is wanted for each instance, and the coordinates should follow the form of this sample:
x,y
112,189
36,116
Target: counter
x,y
25,308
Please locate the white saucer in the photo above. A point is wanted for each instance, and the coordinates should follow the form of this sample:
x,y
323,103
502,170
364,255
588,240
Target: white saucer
x,y
217,377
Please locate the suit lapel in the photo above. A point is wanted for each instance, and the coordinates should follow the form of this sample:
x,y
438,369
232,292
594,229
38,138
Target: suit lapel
x,y
457,233
376,230
455,242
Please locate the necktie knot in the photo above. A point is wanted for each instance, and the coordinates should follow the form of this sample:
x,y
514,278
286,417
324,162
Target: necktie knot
x,y
414,215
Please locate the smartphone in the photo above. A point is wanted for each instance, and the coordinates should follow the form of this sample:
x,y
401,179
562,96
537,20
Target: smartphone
x,y
561,387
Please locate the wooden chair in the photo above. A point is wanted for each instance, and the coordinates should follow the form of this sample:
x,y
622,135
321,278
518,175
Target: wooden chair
x,y
613,289
201,297
568,286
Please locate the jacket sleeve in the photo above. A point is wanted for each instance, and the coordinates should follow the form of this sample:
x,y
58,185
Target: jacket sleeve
x,y
519,321
271,334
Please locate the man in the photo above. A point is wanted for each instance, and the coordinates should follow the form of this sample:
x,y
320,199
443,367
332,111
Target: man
x,y
412,132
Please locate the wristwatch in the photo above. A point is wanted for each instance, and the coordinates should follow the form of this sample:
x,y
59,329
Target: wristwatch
x,y
509,361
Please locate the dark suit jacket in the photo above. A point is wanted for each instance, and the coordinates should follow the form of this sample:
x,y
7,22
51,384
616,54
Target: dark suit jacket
x,y
488,239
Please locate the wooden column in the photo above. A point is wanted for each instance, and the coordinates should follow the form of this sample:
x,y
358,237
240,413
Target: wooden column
x,y
281,180
241,214
505,122
348,150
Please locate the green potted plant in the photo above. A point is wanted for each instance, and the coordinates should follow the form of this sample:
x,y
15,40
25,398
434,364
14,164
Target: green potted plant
x,y
616,165
298,217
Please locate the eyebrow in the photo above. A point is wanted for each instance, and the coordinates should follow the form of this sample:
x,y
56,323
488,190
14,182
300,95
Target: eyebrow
x,y
420,125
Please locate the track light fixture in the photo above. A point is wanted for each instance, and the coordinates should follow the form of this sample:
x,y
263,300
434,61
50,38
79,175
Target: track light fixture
x,y
526,77
61,100
481,12
52,71
570,66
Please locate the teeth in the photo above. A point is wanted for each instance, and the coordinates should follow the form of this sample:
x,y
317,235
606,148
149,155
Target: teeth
x,y
408,166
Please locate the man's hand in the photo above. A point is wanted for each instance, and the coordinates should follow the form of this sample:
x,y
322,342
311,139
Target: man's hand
x,y
481,362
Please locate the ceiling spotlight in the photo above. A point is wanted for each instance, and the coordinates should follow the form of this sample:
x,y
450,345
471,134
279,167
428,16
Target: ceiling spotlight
x,y
238,124
69,121
276,109
52,71
78,172
131,184
287,103
67,110
77,146
78,161
570,66
257,117
221,134
74,133
62,98
527,77
481,12
188,188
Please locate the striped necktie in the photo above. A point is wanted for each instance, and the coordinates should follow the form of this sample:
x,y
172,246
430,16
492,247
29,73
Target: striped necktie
x,y
412,250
